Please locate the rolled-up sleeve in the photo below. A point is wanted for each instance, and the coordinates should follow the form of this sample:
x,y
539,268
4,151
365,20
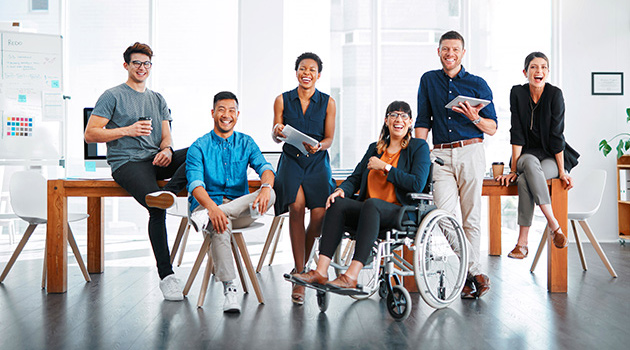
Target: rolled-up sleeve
x,y
194,167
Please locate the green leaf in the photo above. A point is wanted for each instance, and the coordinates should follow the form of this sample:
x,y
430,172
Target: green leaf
x,y
606,149
628,113
620,148
602,144
627,146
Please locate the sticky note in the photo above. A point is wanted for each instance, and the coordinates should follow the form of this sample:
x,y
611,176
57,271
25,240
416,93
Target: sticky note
x,y
54,84
21,98
90,166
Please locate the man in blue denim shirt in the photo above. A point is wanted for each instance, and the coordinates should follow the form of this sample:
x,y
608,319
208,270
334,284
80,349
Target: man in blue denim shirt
x,y
216,169
458,140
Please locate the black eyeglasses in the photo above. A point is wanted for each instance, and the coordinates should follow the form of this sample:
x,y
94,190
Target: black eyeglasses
x,y
137,64
394,115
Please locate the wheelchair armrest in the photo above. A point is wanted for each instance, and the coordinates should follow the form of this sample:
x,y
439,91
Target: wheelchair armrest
x,y
402,223
418,197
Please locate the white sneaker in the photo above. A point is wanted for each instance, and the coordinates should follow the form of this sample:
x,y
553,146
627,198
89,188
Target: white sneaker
x,y
200,220
160,199
170,287
231,303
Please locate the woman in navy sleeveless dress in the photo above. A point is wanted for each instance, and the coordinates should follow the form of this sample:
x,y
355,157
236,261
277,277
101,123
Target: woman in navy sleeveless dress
x,y
304,181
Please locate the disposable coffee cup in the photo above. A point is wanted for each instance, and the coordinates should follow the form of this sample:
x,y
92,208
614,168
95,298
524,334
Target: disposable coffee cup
x,y
497,169
253,211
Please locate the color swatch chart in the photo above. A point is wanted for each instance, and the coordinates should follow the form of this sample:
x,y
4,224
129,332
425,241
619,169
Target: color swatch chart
x,y
19,126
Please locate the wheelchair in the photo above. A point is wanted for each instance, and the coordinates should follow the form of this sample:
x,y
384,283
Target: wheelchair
x,y
440,260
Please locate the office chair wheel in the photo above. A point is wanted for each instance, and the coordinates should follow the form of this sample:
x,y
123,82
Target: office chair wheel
x,y
622,241
368,276
382,289
399,303
440,259
323,299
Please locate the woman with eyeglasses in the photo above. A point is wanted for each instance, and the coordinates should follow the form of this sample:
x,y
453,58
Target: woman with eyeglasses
x,y
304,180
392,167
539,151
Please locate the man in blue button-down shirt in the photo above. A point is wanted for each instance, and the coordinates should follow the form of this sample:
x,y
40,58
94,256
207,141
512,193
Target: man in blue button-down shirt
x,y
216,169
458,140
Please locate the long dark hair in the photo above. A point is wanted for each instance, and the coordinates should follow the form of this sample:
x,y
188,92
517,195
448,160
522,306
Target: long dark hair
x,y
384,139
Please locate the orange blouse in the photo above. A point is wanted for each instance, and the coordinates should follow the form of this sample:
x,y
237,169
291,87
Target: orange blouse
x,y
377,184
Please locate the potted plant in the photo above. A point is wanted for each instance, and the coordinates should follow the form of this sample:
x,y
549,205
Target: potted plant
x,y
622,146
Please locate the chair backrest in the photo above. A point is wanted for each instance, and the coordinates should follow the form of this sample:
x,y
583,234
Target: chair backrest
x,y
28,196
586,195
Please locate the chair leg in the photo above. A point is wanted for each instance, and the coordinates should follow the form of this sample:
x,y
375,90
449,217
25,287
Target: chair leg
x,y
239,265
178,238
204,283
182,249
579,246
18,250
275,245
77,255
543,241
589,233
44,271
197,264
240,242
268,241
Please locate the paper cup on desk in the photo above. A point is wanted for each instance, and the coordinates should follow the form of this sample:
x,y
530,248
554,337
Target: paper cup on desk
x,y
497,169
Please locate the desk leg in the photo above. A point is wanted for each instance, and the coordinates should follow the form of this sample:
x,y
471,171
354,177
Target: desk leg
x,y
57,238
557,258
95,235
494,225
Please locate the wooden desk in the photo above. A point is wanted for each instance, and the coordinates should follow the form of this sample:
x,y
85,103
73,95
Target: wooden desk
x,y
96,190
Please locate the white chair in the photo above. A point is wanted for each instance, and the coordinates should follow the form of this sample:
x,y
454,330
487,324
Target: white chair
x,y
28,191
240,254
274,234
584,201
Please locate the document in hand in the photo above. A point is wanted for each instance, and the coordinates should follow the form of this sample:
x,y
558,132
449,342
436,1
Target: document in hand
x,y
471,100
295,138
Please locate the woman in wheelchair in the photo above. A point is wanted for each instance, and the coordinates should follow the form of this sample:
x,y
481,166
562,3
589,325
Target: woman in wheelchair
x,y
392,167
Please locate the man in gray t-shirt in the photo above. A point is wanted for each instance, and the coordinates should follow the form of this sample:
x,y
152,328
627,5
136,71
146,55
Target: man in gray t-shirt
x,y
135,123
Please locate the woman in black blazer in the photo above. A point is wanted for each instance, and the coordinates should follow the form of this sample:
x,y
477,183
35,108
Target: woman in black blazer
x,y
539,151
392,167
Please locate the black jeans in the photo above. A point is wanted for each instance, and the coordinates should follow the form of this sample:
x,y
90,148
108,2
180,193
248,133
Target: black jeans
x,y
367,217
140,179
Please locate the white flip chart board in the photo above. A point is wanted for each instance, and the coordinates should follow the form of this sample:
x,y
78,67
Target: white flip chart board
x,y
32,108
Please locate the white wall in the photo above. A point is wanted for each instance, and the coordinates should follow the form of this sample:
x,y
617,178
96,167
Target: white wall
x,y
595,37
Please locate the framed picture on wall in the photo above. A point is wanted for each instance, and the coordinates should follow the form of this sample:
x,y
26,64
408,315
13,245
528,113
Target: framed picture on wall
x,y
606,83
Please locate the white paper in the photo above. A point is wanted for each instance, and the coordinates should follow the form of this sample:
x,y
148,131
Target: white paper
x,y
53,106
295,138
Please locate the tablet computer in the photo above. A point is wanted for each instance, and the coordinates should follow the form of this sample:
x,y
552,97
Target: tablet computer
x,y
472,100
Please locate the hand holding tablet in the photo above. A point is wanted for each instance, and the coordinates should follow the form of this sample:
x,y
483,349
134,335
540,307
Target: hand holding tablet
x,y
471,100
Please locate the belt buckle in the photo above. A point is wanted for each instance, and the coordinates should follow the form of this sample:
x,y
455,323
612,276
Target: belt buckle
x,y
459,143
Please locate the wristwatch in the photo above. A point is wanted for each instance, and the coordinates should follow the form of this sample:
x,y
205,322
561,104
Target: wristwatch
x,y
388,167
169,147
265,185
476,121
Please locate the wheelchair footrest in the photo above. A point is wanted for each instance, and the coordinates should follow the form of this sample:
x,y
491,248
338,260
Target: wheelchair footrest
x,y
326,288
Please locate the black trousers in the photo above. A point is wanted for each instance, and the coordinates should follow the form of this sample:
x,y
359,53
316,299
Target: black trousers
x,y
367,217
140,179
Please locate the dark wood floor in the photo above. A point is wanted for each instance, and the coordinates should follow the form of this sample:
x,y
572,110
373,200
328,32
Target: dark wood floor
x,y
123,309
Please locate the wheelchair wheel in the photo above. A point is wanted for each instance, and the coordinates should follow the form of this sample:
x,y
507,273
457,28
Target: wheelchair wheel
x,y
368,276
382,289
323,299
440,259
399,303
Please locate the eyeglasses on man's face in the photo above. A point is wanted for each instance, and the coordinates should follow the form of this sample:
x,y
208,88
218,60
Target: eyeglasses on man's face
x,y
137,64
394,115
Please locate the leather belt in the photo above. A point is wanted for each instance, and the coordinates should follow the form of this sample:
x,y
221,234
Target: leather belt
x,y
460,143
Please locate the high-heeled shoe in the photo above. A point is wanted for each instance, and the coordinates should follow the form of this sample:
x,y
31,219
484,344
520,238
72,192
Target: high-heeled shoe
x,y
297,292
560,240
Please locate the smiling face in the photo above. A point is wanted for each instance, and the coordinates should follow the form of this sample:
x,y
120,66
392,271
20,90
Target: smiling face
x,y
451,52
138,75
225,115
307,73
537,72
398,123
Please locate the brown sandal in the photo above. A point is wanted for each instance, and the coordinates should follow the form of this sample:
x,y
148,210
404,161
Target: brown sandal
x,y
560,240
519,252
297,292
